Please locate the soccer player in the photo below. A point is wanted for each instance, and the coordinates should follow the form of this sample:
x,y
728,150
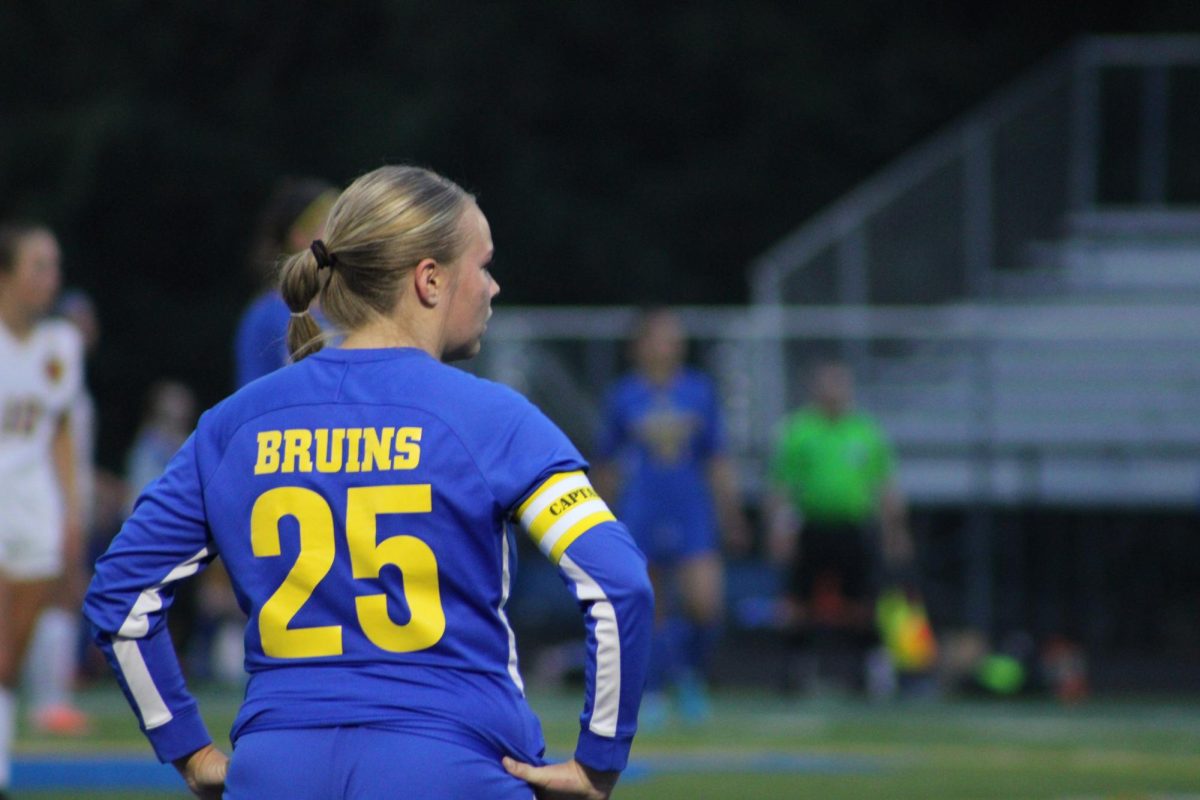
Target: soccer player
x,y
52,660
360,499
294,215
661,453
41,373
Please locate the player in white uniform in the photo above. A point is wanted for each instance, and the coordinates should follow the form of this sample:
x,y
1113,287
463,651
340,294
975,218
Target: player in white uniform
x,y
52,659
41,366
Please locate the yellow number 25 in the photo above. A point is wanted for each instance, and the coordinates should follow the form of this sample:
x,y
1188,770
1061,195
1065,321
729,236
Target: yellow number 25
x,y
368,557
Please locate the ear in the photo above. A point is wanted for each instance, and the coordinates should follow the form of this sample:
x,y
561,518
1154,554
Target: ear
x,y
429,279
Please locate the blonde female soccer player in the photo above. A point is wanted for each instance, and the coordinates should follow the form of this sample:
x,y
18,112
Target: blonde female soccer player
x,y
360,499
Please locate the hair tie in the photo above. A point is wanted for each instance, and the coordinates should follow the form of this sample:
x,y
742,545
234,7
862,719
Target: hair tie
x,y
322,254
299,313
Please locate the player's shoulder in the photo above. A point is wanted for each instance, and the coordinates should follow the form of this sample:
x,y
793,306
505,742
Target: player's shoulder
x,y
59,337
466,395
58,329
867,423
266,304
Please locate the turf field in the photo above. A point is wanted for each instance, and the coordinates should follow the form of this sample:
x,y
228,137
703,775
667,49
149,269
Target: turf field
x,y
760,746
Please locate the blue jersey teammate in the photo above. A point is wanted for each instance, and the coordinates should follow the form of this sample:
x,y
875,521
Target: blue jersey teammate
x,y
662,443
292,217
359,499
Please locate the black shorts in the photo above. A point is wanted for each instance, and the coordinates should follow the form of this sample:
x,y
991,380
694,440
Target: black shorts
x,y
842,555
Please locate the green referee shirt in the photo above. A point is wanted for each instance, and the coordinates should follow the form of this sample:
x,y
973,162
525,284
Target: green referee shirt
x,y
832,469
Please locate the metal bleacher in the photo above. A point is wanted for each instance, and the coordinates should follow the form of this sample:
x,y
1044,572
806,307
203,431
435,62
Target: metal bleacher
x,y
1059,364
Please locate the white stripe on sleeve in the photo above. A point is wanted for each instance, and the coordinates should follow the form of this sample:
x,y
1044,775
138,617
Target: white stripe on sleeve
x,y
137,623
149,702
506,580
607,702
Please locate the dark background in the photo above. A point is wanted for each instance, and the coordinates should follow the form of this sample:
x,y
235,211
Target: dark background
x,y
624,153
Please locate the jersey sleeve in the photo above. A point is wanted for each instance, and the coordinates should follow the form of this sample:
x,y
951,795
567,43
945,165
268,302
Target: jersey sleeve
x,y
165,540
603,568
73,346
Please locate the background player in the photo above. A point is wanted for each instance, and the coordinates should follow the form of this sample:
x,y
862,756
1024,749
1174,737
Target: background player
x,y
52,662
41,366
293,216
359,499
661,454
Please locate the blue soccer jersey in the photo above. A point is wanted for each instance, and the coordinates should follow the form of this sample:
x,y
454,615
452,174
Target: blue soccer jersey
x,y
662,437
360,500
260,346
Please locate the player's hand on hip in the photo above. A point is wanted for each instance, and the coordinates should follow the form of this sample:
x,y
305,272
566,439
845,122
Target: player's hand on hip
x,y
204,771
564,781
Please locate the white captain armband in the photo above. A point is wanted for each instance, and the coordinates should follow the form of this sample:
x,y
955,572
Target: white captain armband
x,y
561,510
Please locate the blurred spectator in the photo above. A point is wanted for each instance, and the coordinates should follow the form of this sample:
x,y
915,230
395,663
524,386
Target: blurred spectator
x,y
836,518
661,456
293,217
51,666
168,421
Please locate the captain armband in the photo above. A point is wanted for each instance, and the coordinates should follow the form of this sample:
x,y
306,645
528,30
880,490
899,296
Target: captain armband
x,y
561,510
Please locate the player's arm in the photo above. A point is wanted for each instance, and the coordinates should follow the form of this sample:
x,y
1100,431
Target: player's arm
x,y
610,438
721,473
722,479
164,541
606,572
893,525
63,451
783,519
893,508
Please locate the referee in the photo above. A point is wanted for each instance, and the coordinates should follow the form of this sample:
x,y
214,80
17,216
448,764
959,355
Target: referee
x,y
836,517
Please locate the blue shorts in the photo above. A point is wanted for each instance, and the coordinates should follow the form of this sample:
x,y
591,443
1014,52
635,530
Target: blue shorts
x,y
667,539
364,763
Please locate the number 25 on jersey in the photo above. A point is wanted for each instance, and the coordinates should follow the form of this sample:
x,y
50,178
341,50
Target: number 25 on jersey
x,y
368,557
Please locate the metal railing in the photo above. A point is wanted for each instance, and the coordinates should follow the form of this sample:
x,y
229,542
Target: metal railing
x,y
1061,402
937,224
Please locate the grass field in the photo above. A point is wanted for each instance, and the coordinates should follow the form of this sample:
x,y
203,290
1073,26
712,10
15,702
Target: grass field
x,y
760,746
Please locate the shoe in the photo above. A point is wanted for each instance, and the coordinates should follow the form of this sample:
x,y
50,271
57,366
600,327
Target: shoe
x,y
693,700
61,720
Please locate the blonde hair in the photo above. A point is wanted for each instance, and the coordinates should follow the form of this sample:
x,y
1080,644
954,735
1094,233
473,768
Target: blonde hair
x,y
381,226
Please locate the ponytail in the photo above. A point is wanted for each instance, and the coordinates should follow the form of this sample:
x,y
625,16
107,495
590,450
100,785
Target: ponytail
x,y
300,283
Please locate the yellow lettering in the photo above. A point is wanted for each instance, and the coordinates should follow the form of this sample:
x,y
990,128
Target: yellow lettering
x,y
408,451
353,436
268,452
377,448
296,457
329,449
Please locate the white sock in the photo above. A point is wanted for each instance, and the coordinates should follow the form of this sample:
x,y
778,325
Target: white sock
x,y
8,726
50,662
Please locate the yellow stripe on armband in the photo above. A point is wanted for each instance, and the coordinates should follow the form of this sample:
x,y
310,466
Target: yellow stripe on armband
x,y
560,511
